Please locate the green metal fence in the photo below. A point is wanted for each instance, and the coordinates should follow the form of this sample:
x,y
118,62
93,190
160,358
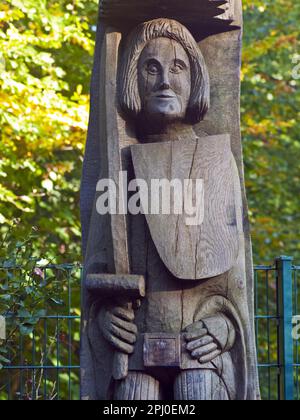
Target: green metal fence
x,y
277,298
45,364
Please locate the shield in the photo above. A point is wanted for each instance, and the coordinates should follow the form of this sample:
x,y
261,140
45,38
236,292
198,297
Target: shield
x,y
196,235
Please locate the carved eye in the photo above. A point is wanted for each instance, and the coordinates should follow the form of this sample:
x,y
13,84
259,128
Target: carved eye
x,y
177,67
152,68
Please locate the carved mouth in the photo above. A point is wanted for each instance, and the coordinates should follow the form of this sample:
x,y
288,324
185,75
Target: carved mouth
x,y
165,96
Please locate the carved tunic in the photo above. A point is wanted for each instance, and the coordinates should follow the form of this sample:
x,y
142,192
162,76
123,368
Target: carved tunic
x,y
172,303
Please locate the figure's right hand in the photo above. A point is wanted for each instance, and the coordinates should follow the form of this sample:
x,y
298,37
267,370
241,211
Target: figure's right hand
x,y
116,324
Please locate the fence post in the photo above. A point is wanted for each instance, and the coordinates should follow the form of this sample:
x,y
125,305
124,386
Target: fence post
x,y
285,315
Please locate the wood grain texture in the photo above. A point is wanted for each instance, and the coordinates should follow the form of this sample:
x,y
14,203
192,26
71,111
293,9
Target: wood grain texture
x,y
138,386
224,117
118,221
170,304
193,252
162,350
218,14
200,385
120,366
112,285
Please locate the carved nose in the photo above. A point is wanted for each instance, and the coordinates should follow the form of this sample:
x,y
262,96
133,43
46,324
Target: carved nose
x,y
165,86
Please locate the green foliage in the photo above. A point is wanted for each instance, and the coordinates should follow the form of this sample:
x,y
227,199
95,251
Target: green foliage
x,y
25,294
46,49
45,61
270,115
42,328
46,56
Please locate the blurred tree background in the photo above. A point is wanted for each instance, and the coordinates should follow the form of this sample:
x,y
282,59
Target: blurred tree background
x,y
270,125
46,55
46,49
46,59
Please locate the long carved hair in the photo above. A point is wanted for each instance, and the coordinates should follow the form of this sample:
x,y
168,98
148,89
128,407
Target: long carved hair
x,y
130,100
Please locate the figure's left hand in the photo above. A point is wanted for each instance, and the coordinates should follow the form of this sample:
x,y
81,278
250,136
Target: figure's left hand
x,y
200,344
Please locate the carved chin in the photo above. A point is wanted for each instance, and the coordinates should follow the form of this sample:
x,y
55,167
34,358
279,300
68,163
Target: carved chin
x,y
166,114
166,117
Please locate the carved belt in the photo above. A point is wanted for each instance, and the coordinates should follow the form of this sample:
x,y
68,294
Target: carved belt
x,y
163,350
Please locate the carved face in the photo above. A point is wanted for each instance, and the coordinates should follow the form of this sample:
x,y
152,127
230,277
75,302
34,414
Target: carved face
x,y
164,79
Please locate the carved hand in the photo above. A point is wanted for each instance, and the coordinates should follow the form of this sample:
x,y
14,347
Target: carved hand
x,y
210,337
200,344
116,324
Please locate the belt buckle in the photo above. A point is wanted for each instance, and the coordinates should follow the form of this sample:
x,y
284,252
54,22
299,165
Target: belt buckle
x,y
162,350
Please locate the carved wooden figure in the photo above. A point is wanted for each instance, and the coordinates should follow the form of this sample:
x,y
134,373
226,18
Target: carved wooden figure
x,y
168,298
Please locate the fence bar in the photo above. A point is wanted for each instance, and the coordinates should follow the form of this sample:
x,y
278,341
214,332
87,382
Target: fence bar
x,y
285,314
54,349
